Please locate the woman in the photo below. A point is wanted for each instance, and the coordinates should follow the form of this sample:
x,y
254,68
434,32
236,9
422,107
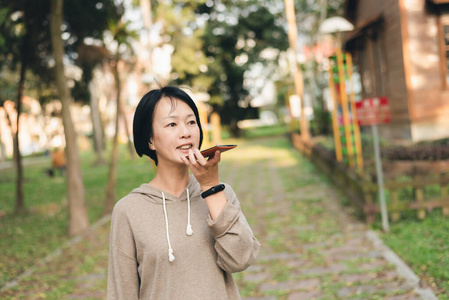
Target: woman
x,y
180,236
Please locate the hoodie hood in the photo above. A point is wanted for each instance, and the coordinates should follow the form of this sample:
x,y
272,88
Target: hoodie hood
x,y
154,194
158,196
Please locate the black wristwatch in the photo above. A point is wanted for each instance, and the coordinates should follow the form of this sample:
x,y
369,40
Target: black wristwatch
x,y
213,190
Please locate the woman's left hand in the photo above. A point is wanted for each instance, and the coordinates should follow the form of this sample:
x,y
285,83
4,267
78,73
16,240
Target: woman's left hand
x,y
205,171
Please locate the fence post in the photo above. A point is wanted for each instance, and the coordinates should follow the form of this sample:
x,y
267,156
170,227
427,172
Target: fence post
x,y
370,215
395,215
444,192
216,127
419,195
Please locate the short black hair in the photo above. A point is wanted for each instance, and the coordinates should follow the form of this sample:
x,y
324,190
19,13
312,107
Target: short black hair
x,y
144,114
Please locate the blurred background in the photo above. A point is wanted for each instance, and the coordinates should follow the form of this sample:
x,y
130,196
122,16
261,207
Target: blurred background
x,y
359,87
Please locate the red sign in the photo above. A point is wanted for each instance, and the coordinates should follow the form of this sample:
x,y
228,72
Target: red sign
x,y
373,111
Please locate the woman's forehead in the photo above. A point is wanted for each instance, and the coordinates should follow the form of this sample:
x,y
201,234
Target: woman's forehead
x,y
169,107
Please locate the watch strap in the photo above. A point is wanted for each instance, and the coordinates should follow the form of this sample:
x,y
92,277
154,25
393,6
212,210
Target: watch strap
x,y
213,190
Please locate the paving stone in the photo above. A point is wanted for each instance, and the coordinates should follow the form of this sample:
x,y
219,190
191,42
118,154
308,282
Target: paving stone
x,y
337,268
356,278
87,295
392,287
407,296
305,284
389,275
257,277
278,256
373,265
90,277
347,256
305,227
255,268
260,298
297,263
304,295
353,290
341,250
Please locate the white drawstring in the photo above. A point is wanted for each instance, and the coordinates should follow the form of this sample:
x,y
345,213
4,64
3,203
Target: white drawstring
x,y
171,257
189,229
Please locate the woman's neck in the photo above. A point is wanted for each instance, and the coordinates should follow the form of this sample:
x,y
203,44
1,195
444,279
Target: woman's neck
x,y
171,180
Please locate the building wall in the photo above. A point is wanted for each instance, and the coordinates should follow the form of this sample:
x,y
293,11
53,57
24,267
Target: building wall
x,y
414,78
429,96
392,69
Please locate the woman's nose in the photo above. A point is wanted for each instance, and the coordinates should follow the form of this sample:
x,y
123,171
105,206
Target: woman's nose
x,y
184,132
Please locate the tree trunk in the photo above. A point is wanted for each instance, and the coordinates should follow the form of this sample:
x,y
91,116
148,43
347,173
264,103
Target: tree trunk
x,y
20,206
110,189
298,77
131,150
78,219
96,125
2,148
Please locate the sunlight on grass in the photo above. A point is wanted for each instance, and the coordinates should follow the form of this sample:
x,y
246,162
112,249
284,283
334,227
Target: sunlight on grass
x,y
45,223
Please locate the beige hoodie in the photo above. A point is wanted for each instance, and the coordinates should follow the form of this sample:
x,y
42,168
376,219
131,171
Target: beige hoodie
x,y
139,262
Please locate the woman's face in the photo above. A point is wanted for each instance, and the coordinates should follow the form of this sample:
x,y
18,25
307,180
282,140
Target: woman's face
x,y
175,130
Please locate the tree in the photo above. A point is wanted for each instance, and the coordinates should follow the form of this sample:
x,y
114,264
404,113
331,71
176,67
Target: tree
x,y
235,35
88,20
78,220
121,48
16,45
89,57
8,83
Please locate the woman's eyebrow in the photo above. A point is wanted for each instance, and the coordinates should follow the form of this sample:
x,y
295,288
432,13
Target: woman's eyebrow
x,y
176,116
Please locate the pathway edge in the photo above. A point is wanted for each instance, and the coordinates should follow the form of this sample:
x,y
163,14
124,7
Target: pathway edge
x,y
401,267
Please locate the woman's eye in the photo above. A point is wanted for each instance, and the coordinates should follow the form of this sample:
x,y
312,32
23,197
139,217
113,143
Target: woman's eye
x,y
171,125
192,122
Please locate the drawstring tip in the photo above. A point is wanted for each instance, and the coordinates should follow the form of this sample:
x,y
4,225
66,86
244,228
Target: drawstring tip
x,y
171,257
189,230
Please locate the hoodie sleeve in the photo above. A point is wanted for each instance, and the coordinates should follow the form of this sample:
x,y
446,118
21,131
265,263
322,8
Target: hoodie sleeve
x,y
123,278
234,240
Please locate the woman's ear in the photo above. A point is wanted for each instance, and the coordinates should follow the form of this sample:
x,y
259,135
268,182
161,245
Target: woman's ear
x,y
150,144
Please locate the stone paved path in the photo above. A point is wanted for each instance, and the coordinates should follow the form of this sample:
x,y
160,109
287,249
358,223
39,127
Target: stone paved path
x,y
311,246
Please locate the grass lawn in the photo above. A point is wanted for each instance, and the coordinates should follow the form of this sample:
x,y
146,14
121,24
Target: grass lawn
x,y
27,238
265,131
424,246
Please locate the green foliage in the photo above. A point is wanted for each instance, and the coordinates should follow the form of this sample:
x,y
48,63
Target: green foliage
x,y
25,39
265,131
254,29
88,19
235,35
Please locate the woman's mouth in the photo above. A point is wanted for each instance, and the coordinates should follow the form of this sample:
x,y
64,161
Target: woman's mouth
x,y
185,147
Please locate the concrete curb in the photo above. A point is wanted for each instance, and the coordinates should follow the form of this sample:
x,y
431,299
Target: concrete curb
x,y
57,252
401,267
